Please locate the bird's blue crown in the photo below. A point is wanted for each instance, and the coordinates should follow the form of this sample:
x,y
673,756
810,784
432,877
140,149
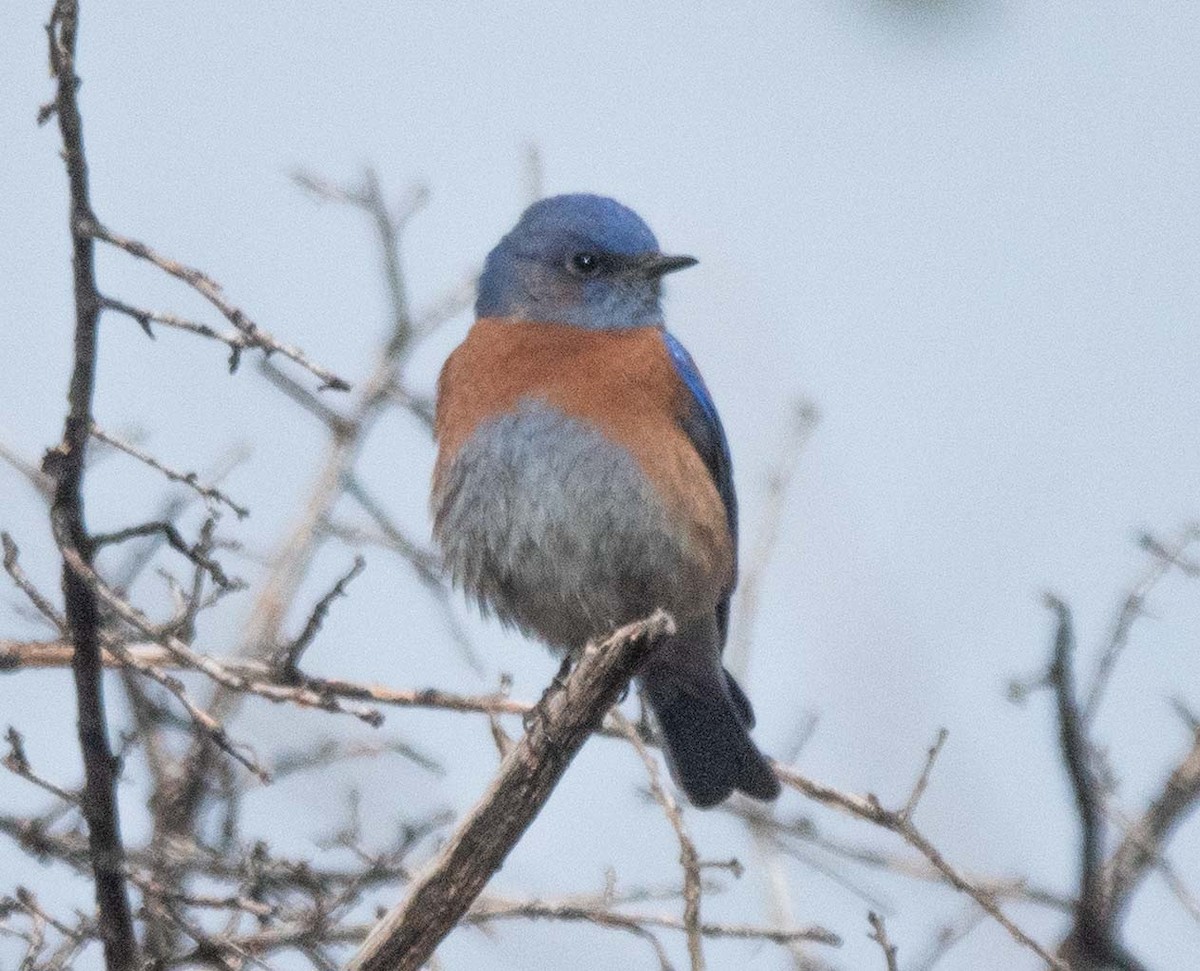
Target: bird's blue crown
x,y
577,259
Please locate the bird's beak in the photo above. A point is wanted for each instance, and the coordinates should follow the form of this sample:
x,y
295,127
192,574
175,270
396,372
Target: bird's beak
x,y
659,264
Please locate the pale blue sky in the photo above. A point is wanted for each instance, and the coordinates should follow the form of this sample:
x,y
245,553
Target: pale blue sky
x,y
970,235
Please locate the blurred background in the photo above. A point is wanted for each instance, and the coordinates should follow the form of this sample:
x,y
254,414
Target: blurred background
x,y
968,232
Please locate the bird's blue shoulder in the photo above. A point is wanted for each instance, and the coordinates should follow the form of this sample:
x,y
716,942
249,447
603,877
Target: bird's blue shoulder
x,y
703,426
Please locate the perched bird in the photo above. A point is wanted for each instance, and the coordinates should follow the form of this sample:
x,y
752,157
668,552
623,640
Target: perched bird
x,y
583,477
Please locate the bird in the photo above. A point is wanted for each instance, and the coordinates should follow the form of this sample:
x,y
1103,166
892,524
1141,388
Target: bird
x,y
583,477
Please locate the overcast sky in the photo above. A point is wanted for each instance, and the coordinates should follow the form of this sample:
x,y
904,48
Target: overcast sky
x,y
968,233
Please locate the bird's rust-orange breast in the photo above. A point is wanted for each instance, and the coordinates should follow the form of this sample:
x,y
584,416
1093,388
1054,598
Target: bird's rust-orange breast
x,y
620,381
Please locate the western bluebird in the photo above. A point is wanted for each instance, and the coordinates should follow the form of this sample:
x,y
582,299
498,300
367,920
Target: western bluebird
x,y
583,477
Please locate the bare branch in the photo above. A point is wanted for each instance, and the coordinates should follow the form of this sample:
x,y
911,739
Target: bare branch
x,y
288,660
689,859
232,679
189,479
568,713
535,173
66,465
18,763
427,565
389,225
490,910
332,751
253,335
425,562
41,482
73,938
784,832
1173,555
195,553
1144,841
1090,929
1187,899
337,423
947,937
291,564
233,339
16,655
880,936
1164,557
869,809
239,674
213,729
800,428
923,780
12,567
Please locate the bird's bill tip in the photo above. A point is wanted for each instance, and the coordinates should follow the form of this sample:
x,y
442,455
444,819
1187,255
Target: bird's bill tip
x,y
660,264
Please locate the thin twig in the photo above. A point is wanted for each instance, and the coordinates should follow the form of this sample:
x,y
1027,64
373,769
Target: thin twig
x,y
490,910
290,565
784,832
12,567
1090,929
208,288
235,340
1144,840
1133,606
18,655
869,809
304,695
189,479
880,936
336,422
689,859
42,483
212,728
799,430
18,763
195,552
947,937
923,780
288,660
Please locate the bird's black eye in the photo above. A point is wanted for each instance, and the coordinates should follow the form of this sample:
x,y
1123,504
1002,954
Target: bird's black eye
x,y
585,263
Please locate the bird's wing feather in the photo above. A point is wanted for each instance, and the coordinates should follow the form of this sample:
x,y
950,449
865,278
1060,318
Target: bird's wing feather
x,y
703,427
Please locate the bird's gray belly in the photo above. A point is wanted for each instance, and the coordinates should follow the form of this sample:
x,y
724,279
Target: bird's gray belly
x,y
555,528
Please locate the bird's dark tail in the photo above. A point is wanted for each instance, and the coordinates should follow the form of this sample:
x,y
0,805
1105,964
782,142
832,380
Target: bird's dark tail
x,y
705,721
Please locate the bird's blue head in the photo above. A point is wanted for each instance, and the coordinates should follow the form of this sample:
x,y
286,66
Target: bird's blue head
x,y
577,259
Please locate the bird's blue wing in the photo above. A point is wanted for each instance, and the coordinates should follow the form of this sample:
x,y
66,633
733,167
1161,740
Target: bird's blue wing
x,y
703,426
